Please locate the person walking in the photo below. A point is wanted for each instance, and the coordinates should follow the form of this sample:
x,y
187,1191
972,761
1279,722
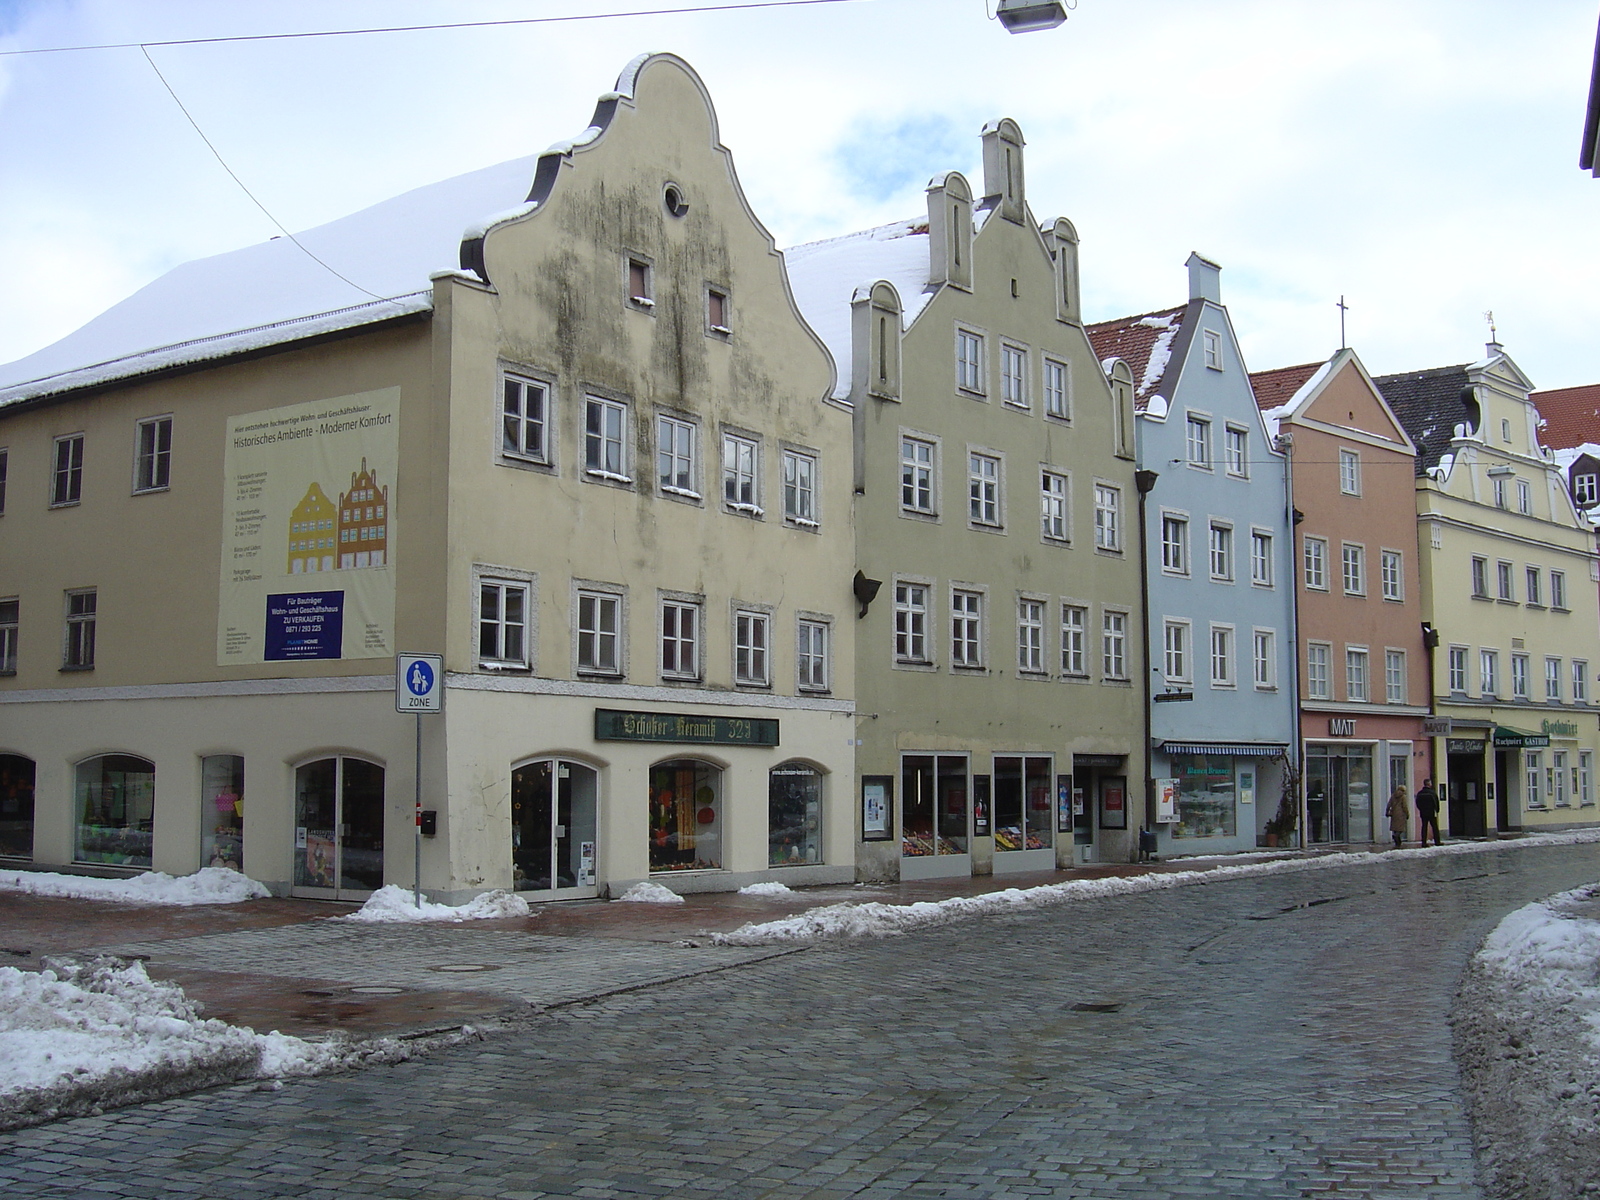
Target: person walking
x,y
1398,810
1428,812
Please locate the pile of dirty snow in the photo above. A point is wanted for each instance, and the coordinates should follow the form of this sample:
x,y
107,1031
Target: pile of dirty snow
x,y
769,887
647,892
393,903
209,885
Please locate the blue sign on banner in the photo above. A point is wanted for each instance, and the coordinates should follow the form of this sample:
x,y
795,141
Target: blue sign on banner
x,y
305,625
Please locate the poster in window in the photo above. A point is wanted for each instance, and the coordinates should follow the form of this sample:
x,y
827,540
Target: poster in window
x,y
1066,803
877,805
1114,802
308,531
981,800
1166,801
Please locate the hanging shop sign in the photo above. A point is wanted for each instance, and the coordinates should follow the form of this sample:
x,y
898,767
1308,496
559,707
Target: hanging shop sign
x,y
1435,726
1510,739
614,725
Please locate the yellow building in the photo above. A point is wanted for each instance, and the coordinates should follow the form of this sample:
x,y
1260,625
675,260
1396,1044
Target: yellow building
x,y
311,533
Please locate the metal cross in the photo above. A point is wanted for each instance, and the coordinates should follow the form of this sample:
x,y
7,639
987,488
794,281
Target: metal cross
x,y
1343,308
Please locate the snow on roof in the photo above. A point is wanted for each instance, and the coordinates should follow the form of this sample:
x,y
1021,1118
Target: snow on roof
x,y
826,275
1571,415
1567,455
1278,387
1144,342
272,292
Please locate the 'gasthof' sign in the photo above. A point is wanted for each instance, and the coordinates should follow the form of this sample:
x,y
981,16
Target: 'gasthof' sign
x,y
614,725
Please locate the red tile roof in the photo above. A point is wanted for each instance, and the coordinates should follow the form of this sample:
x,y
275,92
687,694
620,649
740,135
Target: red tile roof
x,y
1571,415
1135,340
1278,386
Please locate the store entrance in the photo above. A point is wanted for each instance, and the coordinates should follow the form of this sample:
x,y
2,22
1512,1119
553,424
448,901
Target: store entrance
x,y
1466,799
338,829
1338,785
553,807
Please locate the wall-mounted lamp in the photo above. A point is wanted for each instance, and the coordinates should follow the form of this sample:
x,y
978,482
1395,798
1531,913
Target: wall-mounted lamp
x,y
1030,16
866,591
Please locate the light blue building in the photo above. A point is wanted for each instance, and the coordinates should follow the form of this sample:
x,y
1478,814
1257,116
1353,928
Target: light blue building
x,y
1218,550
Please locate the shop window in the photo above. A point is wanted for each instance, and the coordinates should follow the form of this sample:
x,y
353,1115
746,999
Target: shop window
x,y
794,815
16,806
222,811
935,814
685,816
152,467
1207,796
553,825
1023,814
338,819
116,805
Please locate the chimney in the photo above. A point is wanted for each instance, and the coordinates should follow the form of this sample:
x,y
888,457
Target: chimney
x,y
1205,279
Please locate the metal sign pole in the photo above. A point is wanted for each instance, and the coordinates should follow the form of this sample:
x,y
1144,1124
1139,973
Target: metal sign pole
x,y
417,861
418,689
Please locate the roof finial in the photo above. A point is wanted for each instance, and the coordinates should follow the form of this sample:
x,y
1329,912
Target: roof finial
x,y
1343,308
1494,346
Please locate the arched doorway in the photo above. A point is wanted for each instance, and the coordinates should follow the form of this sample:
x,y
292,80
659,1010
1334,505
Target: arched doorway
x,y
554,804
16,806
338,828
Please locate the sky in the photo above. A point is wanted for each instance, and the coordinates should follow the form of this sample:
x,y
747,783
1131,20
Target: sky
x,y
1416,157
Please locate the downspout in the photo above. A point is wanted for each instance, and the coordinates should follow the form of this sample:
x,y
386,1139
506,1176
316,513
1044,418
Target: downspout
x,y
1285,446
1144,481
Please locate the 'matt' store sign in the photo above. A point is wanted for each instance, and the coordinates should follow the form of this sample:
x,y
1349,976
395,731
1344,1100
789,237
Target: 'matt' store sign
x,y
1341,727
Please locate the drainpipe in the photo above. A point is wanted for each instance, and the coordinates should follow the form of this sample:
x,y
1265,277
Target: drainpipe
x,y
1285,446
1145,481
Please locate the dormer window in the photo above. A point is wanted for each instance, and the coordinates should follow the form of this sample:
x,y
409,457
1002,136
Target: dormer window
x,y
1586,489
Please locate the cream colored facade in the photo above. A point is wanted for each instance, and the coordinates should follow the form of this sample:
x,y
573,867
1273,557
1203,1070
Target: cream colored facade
x,y
621,489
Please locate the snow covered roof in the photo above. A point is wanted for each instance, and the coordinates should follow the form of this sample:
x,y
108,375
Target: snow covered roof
x,y
826,275
1571,415
1144,342
1429,405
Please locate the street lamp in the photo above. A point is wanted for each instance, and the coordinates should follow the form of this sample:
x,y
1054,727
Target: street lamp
x,y
1029,16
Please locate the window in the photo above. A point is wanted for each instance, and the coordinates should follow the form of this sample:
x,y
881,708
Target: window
x,y
1222,552
640,292
1174,544
1586,488
1502,578
1114,645
1058,390
1458,668
1558,779
1350,472
115,801
1222,656
1265,659
1552,679
152,466
794,815
1505,429
750,641
1317,684
969,361
680,639
800,488
1354,561
1213,348
911,623
1107,517
600,633
66,483
1053,506
1030,636
682,790
5,462
1580,681
1236,451
1014,376
1480,577
811,656
1519,676
1524,497
1585,788
1532,761
1558,589
1489,672
524,419
1316,564
9,627
983,489
1175,648
1531,577
966,629
1355,674
1499,493
675,465
1392,568
78,654
916,476
605,439
1197,439
740,487
502,623
1394,676
1073,621
717,319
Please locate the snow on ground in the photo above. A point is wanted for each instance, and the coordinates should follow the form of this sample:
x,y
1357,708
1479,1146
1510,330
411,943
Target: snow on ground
x,y
768,888
650,893
209,885
394,904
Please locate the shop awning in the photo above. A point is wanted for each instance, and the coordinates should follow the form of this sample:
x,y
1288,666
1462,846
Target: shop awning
x,y
1510,739
1236,749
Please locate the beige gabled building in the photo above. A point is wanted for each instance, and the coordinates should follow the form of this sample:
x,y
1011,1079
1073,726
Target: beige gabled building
x,y
598,467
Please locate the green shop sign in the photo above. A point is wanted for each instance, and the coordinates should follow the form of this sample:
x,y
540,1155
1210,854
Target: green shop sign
x,y
614,725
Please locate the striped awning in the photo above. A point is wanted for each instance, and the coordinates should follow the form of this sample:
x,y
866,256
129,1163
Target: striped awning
x,y
1233,749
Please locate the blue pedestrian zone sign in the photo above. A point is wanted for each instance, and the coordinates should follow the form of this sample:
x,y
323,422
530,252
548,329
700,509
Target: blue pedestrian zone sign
x,y
419,683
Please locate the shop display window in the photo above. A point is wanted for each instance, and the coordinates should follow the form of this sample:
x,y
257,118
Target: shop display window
x,y
685,816
222,811
116,805
1024,818
935,813
794,815
16,806
1207,796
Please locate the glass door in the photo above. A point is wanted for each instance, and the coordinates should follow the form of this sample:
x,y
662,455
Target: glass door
x,y
553,827
338,835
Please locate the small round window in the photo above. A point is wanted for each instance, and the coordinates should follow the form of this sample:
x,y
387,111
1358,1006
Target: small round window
x,y
672,197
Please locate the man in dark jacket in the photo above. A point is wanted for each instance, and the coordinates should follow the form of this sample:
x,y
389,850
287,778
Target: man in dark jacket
x,y
1427,801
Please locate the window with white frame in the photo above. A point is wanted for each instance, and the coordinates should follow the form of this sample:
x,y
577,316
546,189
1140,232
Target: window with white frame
x,y
152,466
751,639
1260,558
1489,672
524,418
1458,668
1014,376
966,628
1057,389
1265,659
1499,492
1222,674
605,438
1558,779
1074,620
1316,563
811,656
1533,787
983,489
1053,506
969,361
1394,676
1222,552
1586,488
1392,568
9,628
800,488
1354,561
1531,590
741,489
66,481
1175,650
1236,451
1114,645
503,611
1211,342
1524,497
1585,788
1503,582
1174,543
599,628
916,476
1480,577
1350,472
82,613
1317,683
1580,681
1030,636
675,456
680,639
1107,517
1558,589
911,623
1197,441
1355,674
1552,678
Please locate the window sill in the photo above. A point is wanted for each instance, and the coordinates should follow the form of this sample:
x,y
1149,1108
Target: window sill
x,y
88,667
967,669
642,303
1116,550
66,504
722,331
1040,676
972,394
918,514
152,491
1017,406
602,676
803,523
1480,595
608,476
984,527
1505,600
1532,604
913,664
682,680
679,493
746,510
1559,608
751,685
505,668
8,671
814,691
523,462
1046,540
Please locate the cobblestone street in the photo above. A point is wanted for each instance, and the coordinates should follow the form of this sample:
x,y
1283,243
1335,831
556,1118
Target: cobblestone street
x,y
1277,1036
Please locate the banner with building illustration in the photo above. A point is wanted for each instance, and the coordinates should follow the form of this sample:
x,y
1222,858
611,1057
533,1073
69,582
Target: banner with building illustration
x,y
308,531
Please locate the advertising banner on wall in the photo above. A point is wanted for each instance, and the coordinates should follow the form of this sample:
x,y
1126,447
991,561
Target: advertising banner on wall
x,y
308,531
